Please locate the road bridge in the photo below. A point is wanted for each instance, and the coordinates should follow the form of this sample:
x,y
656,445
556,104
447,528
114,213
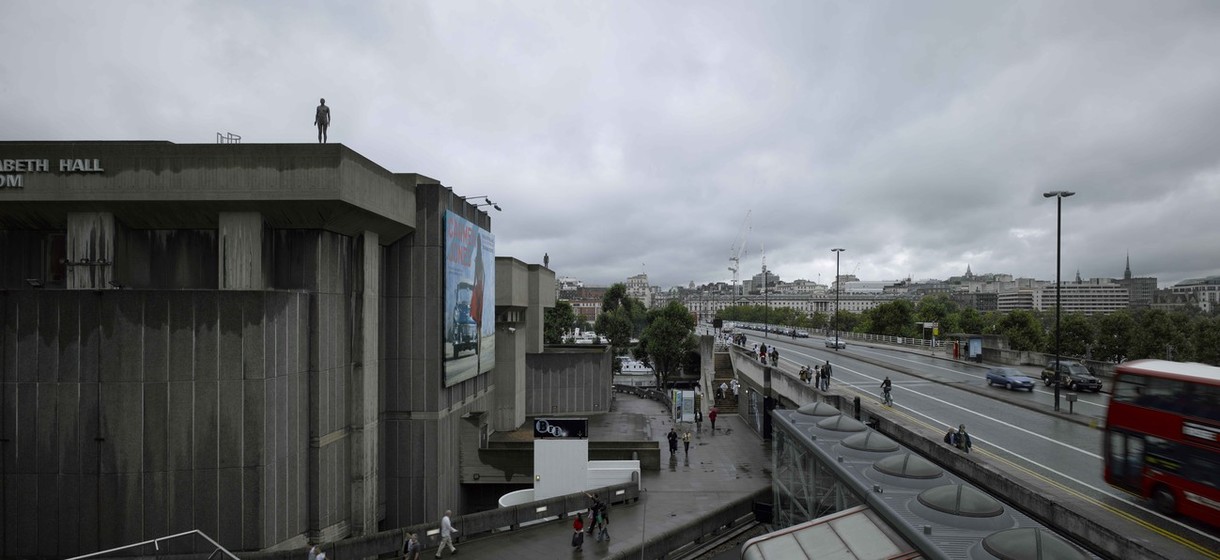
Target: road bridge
x,y
1046,463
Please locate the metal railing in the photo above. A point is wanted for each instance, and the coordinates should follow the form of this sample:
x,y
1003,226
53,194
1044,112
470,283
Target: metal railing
x,y
156,543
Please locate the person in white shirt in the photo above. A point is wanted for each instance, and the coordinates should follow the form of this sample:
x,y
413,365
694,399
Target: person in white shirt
x,y
447,532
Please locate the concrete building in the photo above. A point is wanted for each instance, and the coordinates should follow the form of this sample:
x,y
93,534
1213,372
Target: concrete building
x,y
249,340
1201,292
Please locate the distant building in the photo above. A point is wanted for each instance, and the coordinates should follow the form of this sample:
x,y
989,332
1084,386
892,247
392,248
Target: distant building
x,y
1202,292
638,288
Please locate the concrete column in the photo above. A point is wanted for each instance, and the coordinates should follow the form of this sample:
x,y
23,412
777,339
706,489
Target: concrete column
x,y
509,380
364,393
90,250
241,251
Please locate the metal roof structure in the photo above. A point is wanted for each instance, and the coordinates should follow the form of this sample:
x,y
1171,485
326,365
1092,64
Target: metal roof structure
x,y
830,468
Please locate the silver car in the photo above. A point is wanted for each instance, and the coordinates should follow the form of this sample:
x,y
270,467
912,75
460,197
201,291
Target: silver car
x,y
836,342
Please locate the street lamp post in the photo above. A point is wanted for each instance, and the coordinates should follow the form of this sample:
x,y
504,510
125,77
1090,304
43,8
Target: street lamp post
x,y
766,304
835,318
1059,196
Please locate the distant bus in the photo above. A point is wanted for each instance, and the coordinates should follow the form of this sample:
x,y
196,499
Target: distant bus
x,y
1162,437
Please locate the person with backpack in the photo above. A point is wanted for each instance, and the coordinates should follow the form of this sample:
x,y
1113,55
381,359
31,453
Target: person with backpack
x,y
673,441
951,436
963,439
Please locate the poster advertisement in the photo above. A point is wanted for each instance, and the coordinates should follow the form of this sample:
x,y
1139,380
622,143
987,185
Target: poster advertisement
x,y
470,300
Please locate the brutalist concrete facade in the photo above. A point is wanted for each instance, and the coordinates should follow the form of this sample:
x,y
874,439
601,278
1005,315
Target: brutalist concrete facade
x,y
241,339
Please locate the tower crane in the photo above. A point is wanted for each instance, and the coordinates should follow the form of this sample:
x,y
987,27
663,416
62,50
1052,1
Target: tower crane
x,y
738,250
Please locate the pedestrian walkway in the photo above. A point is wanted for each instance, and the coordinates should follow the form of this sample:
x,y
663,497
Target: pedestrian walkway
x,y
730,464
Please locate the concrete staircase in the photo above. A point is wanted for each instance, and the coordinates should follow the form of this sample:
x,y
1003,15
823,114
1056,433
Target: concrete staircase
x,y
723,365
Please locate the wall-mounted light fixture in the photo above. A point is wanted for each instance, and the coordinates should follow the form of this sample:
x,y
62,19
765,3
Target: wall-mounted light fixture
x,y
486,202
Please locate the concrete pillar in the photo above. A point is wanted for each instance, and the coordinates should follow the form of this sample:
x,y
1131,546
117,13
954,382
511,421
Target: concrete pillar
x,y
364,393
509,379
90,250
241,251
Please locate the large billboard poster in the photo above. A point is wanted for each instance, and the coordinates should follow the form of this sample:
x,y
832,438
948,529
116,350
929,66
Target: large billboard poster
x,y
470,299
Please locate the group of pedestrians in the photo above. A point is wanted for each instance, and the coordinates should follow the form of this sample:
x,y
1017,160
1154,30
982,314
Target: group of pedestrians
x,y
727,389
673,438
959,438
818,375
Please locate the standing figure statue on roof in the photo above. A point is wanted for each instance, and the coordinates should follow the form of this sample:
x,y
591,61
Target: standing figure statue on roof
x,y
321,119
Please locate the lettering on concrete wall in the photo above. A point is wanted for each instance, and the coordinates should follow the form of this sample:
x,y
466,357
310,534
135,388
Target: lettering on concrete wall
x,y
12,171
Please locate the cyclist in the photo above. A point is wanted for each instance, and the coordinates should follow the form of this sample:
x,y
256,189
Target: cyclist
x,y
886,386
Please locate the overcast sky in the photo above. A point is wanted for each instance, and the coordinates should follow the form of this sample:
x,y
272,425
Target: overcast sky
x,y
627,137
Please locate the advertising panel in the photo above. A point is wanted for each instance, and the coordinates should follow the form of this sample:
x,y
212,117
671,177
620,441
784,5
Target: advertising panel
x,y
470,300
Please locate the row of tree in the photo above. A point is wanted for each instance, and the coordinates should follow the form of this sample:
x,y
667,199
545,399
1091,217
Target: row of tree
x,y
663,338
1187,334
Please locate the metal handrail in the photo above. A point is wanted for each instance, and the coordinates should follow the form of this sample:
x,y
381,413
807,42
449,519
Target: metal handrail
x,y
157,544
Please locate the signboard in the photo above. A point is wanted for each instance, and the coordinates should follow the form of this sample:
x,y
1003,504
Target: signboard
x,y
561,428
470,300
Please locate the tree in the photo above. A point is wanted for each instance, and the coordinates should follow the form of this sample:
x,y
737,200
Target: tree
x,y
970,321
1114,335
1023,330
1158,335
938,309
1206,338
1077,335
893,318
621,319
668,339
558,321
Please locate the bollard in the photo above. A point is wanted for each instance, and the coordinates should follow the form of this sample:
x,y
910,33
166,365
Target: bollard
x,y
1071,399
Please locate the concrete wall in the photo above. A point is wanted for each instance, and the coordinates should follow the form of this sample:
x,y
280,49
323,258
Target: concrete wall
x,y
568,380
136,414
422,420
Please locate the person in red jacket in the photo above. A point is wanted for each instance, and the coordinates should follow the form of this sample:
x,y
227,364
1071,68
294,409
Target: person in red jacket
x,y
711,417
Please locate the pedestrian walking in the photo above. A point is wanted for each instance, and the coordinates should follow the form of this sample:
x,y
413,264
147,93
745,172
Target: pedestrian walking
x,y
951,436
698,421
447,532
686,442
711,417
724,389
578,533
735,386
313,552
826,377
410,548
673,441
321,555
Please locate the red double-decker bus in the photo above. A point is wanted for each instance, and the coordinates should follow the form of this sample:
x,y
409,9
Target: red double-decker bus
x,y
1163,436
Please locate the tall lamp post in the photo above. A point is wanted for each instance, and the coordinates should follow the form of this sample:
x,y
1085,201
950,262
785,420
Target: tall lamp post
x,y
1058,196
835,317
766,303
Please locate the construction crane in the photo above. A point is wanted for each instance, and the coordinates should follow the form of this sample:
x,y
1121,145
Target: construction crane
x,y
738,250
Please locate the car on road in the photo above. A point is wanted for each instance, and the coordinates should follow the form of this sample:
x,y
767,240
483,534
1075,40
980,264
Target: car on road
x,y
1073,375
1010,378
836,342
801,334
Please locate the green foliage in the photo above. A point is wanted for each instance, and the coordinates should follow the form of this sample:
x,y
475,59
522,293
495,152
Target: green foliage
x,y
895,318
558,321
622,318
970,321
1077,335
668,339
1115,332
1023,330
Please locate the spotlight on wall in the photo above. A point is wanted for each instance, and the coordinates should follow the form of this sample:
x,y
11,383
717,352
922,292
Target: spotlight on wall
x,y
115,285
512,329
34,282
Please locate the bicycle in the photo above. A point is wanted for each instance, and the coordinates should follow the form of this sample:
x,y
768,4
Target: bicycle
x,y
887,399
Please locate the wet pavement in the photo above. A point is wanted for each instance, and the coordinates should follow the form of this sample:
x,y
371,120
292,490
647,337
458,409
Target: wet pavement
x,y
732,463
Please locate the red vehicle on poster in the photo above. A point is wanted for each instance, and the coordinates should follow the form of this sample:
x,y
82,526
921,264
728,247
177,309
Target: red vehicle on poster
x,y
1162,439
